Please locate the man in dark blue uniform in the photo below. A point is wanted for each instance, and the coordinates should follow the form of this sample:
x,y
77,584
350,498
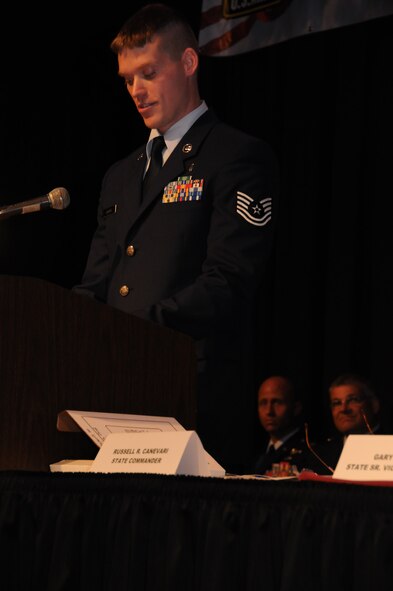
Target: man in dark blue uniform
x,y
280,413
355,410
189,253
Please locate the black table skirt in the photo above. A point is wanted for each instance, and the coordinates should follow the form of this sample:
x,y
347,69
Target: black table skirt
x,y
151,532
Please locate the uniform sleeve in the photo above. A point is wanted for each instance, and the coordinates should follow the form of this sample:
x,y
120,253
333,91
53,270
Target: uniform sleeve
x,y
100,260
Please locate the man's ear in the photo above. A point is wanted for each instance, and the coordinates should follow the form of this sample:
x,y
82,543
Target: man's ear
x,y
190,61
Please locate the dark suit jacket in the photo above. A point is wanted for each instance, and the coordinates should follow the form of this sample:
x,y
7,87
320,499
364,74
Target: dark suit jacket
x,y
195,264
330,450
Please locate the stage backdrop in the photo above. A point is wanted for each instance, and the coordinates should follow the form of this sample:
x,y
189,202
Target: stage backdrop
x,y
324,102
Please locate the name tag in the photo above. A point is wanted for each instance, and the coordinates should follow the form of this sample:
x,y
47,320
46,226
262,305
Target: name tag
x,y
109,210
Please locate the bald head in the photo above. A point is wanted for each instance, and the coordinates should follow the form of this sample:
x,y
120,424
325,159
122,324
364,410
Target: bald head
x,y
278,384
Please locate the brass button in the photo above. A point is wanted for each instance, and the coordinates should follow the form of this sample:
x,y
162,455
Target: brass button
x,y
124,290
130,250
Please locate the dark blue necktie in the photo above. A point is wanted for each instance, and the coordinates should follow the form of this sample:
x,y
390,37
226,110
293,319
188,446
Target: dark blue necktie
x,y
155,161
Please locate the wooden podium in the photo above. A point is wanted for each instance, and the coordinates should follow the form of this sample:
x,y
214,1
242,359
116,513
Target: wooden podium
x,y
60,350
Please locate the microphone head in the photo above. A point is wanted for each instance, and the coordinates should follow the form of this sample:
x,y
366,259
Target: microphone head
x,y
59,198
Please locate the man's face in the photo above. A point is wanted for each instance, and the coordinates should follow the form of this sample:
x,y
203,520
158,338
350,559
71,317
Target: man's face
x,y
351,410
160,85
276,410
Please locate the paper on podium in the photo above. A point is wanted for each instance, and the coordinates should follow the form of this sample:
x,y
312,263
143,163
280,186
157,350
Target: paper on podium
x,y
97,425
366,457
185,453
71,466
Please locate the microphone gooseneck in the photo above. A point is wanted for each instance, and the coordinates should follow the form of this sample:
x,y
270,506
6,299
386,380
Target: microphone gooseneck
x,y
371,432
313,451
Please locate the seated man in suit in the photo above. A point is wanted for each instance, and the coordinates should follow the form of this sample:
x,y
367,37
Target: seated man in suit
x,y
355,409
280,411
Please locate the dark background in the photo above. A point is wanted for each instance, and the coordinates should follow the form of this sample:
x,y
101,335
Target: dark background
x,y
323,101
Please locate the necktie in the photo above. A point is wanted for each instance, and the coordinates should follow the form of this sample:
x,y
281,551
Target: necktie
x,y
155,161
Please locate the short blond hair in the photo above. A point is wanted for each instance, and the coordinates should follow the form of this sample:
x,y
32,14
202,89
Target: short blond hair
x,y
152,20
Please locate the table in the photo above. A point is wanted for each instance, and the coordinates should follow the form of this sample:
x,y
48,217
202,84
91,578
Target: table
x,y
127,531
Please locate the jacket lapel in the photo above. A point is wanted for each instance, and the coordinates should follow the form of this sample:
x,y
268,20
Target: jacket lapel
x,y
182,160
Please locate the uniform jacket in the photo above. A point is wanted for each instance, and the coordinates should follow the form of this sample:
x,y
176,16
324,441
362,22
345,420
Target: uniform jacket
x,y
191,257
294,450
330,451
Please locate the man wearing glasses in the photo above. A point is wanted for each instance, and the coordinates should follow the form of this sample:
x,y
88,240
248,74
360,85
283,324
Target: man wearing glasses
x,y
354,409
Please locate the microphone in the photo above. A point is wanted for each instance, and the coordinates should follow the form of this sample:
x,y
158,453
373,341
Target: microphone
x,y
58,198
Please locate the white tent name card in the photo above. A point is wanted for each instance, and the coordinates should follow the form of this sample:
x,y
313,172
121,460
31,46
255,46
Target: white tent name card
x,y
176,452
144,443
366,457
